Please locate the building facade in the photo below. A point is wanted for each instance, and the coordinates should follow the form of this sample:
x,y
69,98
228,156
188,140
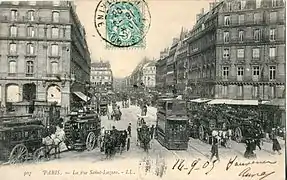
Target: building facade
x,y
136,78
237,51
250,51
148,79
170,67
181,61
161,71
202,51
43,53
102,76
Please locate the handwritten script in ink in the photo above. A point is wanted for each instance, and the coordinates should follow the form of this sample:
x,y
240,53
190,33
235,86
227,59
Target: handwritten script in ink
x,y
247,172
196,165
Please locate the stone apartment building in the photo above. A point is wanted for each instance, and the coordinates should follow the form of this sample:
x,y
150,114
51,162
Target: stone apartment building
x,y
181,61
161,71
43,54
170,67
102,75
237,51
250,51
149,79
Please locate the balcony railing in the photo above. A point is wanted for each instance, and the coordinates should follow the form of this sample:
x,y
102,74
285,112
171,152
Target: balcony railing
x,y
24,19
29,74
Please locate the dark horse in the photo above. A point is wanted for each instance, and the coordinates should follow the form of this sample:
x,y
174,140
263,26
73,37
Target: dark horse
x,y
109,146
144,138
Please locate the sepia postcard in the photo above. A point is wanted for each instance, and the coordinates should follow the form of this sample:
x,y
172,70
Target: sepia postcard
x,y
143,90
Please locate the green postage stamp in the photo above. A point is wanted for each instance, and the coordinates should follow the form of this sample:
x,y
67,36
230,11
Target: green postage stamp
x,y
122,23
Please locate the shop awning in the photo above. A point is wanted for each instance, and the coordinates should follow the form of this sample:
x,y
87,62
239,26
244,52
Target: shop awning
x,y
277,102
200,100
82,96
236,102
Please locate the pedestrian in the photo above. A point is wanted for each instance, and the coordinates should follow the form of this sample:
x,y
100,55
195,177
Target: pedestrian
x,y
276,146
129,129
250,147
152,131
144,110
214,148
258,143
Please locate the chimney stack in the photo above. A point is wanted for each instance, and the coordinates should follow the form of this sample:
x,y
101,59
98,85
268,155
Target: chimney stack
x,y
198,17
211,5
202,11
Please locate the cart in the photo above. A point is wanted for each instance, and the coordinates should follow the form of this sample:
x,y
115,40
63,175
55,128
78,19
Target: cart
x,y
82,132
120,140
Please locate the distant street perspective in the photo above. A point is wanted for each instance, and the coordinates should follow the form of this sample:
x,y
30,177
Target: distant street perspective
x,y
214,93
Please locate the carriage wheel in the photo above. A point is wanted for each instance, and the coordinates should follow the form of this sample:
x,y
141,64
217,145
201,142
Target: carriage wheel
x,y
238,135
39,155
90,141
18,154
128,144
201,133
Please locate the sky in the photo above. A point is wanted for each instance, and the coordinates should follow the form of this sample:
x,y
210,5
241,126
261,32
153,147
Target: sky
x,y
167,19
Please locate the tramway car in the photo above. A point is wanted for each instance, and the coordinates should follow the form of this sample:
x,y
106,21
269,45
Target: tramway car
x,y
172,124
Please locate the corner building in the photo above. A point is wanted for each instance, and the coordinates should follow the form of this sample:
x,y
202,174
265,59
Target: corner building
x,y
250,50
43,54
237,51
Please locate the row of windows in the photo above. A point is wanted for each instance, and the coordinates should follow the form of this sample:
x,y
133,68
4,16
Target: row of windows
x,y
242,4
255,91
255,53
30,67
31,31
14,16
101,77
33,3
255,72
101,72
256,18
257,35
31,49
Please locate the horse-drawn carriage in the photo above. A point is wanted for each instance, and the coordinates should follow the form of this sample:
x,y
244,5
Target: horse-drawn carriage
x,y
144,137
104,110
19,141
24,139
82,131
116,113
115,141
226,121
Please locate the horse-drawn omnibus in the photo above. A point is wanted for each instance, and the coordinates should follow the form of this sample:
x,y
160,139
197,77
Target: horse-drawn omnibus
x,y
82,131
172,124
19,141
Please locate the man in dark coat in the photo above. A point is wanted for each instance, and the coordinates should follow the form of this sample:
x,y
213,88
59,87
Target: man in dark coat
x,y
129,129
276,146
214,148
151,131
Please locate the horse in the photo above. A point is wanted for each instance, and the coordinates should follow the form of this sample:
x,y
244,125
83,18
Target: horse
x,y
109,144
122,140
144,138
224,137
51,142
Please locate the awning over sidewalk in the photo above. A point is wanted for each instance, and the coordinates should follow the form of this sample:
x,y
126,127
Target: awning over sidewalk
x,y
200,100
277,102
236,102
82,96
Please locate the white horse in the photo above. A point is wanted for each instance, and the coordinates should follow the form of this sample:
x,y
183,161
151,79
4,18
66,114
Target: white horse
x,y
223,136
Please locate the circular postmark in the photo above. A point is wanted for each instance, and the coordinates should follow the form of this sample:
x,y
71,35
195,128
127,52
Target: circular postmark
x,y
122,23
